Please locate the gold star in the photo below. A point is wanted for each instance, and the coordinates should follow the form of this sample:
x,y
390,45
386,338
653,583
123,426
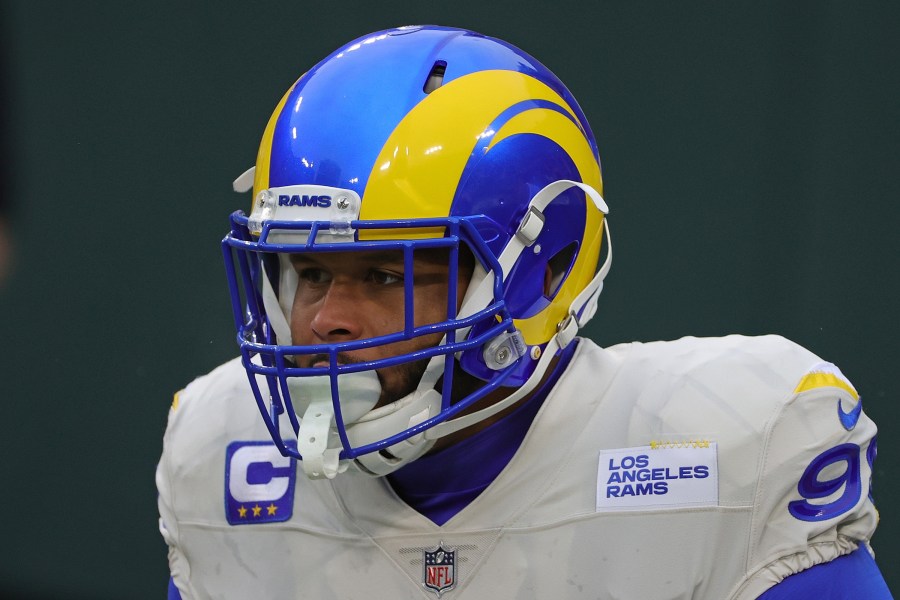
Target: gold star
x,y
256,510
271,509
242,512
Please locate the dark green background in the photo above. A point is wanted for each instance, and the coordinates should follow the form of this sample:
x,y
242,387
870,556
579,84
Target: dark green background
x,y
750,153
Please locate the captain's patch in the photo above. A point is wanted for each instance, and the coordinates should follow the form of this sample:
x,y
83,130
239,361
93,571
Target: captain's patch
x,y
259,483
662,475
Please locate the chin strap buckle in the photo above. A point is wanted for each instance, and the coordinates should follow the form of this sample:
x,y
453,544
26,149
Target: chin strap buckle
x,y
312,442
567,330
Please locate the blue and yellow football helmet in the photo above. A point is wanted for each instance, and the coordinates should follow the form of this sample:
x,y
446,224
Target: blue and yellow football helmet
x,y
408,139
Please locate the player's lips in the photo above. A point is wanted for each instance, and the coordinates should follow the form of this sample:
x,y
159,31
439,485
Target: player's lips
x,y
323,361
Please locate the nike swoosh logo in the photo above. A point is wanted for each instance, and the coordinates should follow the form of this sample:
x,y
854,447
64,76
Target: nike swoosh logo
x,y
849,419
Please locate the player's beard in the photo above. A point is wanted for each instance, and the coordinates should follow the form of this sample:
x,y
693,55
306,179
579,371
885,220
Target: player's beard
x,y
406,381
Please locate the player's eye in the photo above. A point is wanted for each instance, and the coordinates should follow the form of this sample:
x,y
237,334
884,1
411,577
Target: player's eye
x,y
313,275
385,277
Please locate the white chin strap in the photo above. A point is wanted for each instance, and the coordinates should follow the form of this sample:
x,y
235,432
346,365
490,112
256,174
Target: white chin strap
x,y
317,438
395,417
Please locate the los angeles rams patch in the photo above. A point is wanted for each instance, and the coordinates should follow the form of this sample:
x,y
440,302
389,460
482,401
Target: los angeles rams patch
x,y
662,475
259,483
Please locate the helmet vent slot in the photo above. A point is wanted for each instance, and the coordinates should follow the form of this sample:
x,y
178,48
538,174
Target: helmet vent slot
x,y
435,77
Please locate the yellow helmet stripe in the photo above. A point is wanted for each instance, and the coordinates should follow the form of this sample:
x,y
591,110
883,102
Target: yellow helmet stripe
x,y
418,169
563,131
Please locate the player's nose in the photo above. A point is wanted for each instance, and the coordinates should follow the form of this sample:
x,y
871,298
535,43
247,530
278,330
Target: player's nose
x,y
338,315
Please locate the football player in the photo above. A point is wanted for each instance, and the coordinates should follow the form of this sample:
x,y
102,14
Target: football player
x,y
412,413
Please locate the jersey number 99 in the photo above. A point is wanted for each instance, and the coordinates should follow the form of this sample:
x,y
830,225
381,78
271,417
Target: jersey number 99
x,y
848,483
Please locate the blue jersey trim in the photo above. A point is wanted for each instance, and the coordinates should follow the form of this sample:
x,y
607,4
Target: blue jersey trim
x,y
173,594
852,576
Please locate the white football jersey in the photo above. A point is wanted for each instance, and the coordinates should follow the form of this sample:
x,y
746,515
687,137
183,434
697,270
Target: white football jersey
x,y
694,469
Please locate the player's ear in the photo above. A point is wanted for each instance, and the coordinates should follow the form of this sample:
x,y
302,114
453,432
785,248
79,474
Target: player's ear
x,y
548,281
557,268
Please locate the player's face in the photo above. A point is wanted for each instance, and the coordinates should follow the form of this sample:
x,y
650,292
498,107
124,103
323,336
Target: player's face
x,y
346,296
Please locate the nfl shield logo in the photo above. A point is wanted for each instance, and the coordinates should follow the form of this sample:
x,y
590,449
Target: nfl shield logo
x,y
439,575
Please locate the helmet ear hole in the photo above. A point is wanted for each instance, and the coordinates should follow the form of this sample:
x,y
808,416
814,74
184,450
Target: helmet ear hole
x,y
558,268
